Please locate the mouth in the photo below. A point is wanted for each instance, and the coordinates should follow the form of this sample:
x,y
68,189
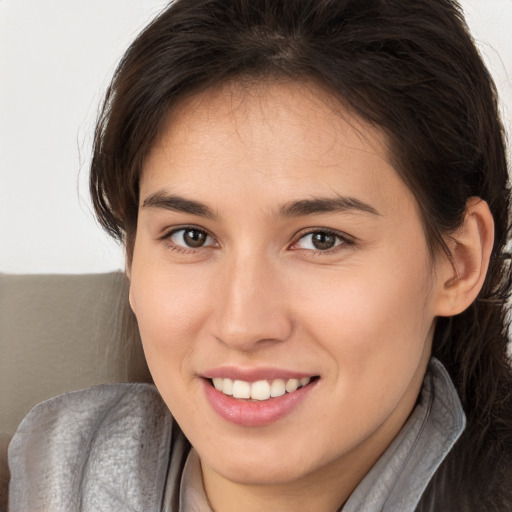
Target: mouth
x,y
261,390
259,396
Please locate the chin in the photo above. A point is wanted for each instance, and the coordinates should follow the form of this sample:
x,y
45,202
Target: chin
x,y
252,465
258,474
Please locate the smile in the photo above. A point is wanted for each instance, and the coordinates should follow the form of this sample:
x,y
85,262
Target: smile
x,y
257,403
260,390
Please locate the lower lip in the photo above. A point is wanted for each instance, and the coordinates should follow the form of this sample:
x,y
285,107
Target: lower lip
x,y
257,413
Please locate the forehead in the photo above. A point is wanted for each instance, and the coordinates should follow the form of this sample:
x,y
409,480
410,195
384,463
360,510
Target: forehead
x,y
289,135
236,108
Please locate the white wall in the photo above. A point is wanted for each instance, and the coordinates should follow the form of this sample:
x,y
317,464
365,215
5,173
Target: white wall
x,y
56,57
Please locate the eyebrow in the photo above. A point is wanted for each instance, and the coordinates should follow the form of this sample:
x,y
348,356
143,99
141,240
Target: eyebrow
x,y
325,205
303,207
178,204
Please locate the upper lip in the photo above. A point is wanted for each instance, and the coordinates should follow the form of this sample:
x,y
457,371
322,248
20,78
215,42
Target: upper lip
x,y
254,374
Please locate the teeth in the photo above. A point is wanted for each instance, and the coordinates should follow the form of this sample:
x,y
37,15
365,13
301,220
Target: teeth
x,y
292,385
259,390
277,388
241,389
227,387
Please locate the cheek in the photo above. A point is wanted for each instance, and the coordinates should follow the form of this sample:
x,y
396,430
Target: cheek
x,y
370,320
172,304
167,298
378,335
166,307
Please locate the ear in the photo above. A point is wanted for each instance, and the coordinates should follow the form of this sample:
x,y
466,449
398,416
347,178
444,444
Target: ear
x,y
462,276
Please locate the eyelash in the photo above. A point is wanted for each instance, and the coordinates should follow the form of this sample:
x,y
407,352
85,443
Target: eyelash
x,y
167,238
342,240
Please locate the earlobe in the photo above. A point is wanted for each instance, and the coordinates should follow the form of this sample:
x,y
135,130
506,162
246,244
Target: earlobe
x,y
131,300
128,273
464,273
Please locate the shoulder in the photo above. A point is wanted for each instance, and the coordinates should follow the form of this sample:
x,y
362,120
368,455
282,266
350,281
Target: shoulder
x,y
89,402
82,450
80,419
89,409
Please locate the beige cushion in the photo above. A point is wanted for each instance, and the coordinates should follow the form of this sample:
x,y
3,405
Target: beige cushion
x,y
60,333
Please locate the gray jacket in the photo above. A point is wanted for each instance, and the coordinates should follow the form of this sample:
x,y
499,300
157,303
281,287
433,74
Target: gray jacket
x,y
117,447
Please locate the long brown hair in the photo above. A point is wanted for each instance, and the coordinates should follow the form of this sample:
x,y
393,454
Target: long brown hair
x,y
409,67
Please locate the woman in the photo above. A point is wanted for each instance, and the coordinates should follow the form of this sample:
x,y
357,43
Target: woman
x,y
315,205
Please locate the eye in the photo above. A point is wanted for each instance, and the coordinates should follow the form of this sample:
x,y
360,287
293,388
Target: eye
x,y
191,238
320,240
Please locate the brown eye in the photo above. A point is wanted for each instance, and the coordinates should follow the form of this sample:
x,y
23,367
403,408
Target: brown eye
x,y
320,241
323,241
194,238
191,238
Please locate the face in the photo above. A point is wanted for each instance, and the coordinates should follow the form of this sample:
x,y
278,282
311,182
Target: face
x,y
277,247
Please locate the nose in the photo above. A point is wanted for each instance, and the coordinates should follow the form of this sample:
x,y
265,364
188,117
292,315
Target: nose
x,y
252,310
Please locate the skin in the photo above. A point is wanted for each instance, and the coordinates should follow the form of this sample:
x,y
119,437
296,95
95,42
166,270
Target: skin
x,y
359,315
